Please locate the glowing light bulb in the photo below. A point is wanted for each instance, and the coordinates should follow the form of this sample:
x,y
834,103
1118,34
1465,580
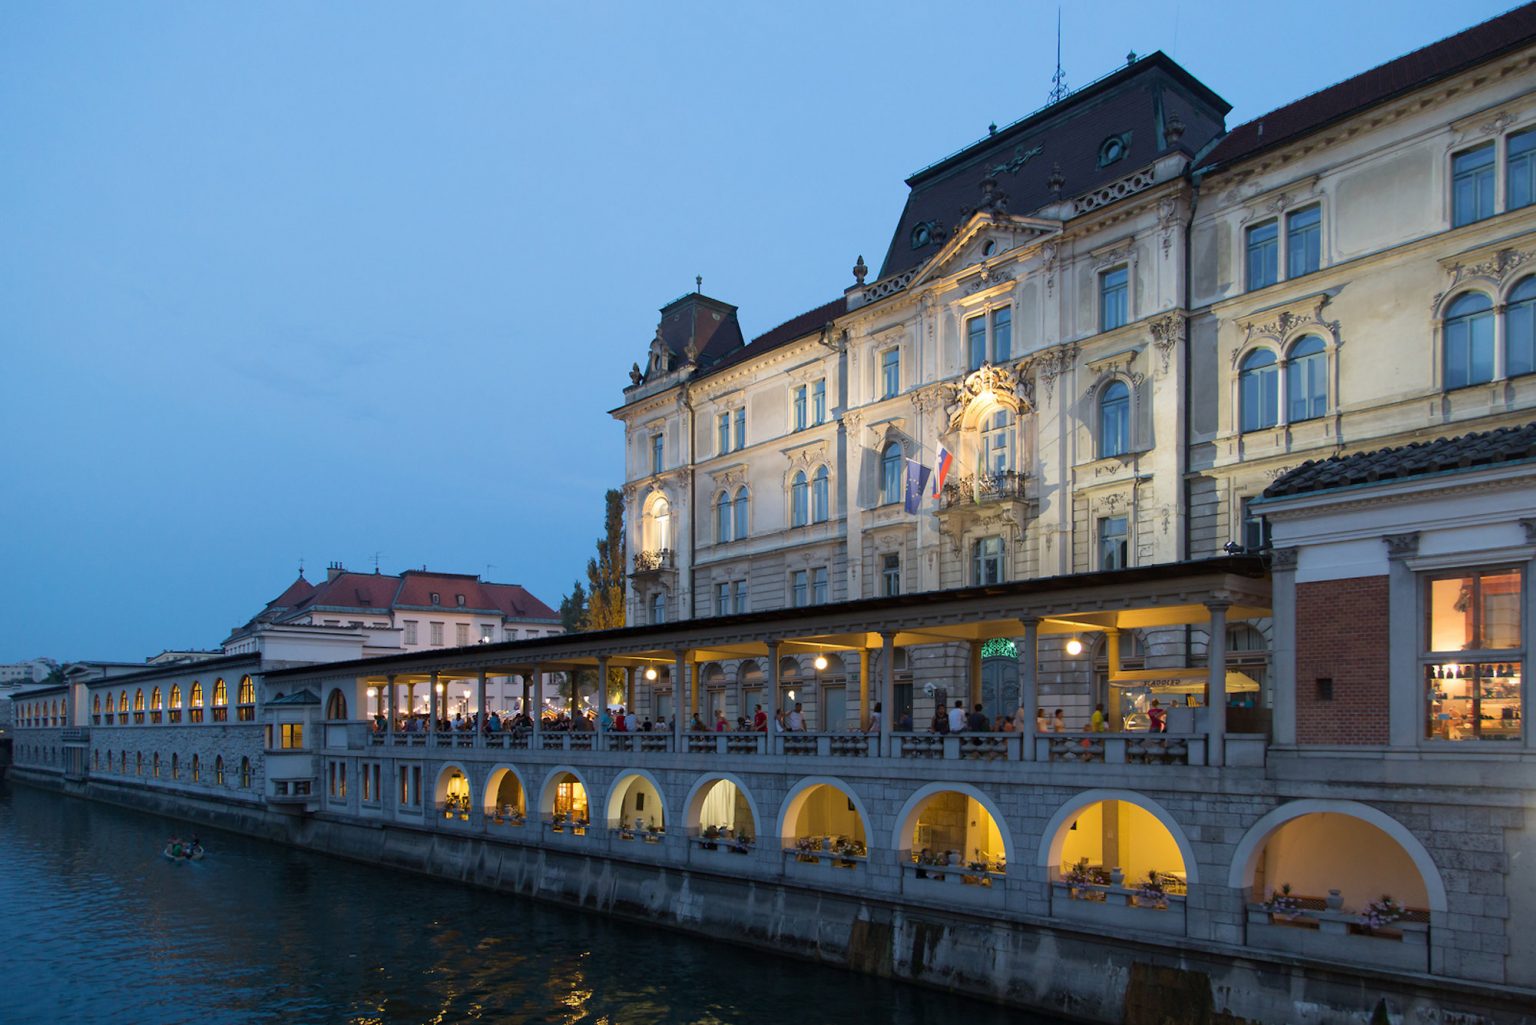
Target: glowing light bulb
x,y
1074,647
650,673
821,661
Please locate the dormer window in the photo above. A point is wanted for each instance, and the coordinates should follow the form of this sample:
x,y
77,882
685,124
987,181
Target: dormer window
x,y
437,599
460,600
1114,148
921,236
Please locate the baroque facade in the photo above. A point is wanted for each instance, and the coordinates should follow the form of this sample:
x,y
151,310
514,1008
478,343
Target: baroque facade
x,y
1124,321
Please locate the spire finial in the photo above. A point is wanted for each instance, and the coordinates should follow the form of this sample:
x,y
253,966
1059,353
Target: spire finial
x,y
698,283
1059,87
301,565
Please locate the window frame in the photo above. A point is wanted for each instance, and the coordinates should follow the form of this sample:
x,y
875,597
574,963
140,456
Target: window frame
x,y
891,485
1433,659
818,402
1473,174
1105,560
799,402
799,499
1250,248
890,372
821,495
1450,322
890,574
1121,292
1260,372
1121,437
988,552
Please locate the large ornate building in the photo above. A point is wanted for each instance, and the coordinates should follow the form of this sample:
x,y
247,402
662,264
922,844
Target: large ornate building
x,y
1123,321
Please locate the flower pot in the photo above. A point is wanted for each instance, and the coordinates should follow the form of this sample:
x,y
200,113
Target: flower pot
x,y
1335,900
1116,876
954,857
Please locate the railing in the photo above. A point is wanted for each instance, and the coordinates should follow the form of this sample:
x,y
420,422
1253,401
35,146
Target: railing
x,y
980,488
75,735
1122,748
1335,934
1120,906
453,811
974,883
653,561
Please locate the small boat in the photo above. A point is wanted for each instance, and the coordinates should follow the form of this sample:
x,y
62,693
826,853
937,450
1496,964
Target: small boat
x,y
183,852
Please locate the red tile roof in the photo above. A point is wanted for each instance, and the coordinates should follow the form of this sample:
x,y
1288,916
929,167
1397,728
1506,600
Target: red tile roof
x,y
297,592
380,593
807,323
1477,45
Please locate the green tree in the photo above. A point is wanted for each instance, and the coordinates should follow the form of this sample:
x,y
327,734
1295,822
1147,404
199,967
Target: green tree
x,y
573,609
606,572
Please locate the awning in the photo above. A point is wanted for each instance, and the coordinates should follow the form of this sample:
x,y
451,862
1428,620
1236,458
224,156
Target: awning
x,y
1179,681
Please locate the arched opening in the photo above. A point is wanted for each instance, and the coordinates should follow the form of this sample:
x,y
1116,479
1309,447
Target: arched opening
x,y
635,808
1106,841
506,802
952,828
656,525
823,819
336,705
564,803
750,678
218,770
452,797
789,683
722,816
831,694
246,699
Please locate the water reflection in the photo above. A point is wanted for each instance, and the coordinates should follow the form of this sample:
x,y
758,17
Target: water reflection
x,y
260,933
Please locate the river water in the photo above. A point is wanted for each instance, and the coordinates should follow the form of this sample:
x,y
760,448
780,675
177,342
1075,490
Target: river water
x,y
98,927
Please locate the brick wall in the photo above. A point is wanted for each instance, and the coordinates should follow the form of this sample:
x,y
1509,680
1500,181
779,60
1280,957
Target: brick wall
x,y
1341,635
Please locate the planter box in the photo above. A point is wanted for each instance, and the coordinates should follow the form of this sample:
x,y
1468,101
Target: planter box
x,y
1404,948
1118,914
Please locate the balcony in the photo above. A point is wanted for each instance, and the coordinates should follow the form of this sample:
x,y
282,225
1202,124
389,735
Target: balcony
x,y
660,560
984,488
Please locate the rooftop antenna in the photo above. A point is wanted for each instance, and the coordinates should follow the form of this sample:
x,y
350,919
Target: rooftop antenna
x,y
1059,87
488,567
376,562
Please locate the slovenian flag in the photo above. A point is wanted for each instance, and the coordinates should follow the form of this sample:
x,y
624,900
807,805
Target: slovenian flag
x,y
917,479
946,457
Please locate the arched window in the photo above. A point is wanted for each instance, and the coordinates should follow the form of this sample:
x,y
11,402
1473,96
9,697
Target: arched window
x,y
154,766
138,763
122,706
997,443
195,703
1306,380
247,699
154,698
220,701
1114,420
175,702
890,474
122,763
1520,329
657,535
336,706
197,770
96,710
111,706
175,766
245,773
799,500
1259,391
723,517
741,513
218,770
819,495
138,700
1469,341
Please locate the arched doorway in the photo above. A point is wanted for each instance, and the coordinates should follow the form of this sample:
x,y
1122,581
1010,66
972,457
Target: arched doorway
x,y
824,820
452,794
635,808
564,803
335,705
952,831
722,816
506,802
999,677
1104,843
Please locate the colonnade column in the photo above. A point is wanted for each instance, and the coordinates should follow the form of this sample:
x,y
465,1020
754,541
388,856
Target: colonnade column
x,y
1216,684
864,709
602,693
771,685
1112,658
1029,687
629,689
480,720
693,684
974,671
432,703
536,709
887,691
394,702
572,680
526,697
410,697
679,695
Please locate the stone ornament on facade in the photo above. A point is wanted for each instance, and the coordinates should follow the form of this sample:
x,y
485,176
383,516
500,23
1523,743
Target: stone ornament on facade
x,y
1128,186
1283,560
1496,271
660,356
1300,316
987,277
1401,546
1055,362
1166,332
998,382
1529,526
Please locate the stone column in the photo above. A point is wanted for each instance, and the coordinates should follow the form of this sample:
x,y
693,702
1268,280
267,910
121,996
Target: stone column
x,y
536,708
679,695
1216,684
432,703
1405,690
394,702
527,696
693,685
864,709
571,681
771,686
480,723
1029,686
602,693
1283,682
629,689
410,697
1112,658
887,691
975,676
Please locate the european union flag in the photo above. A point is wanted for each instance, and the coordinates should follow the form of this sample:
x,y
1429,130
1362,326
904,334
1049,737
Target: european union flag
x,y
917,479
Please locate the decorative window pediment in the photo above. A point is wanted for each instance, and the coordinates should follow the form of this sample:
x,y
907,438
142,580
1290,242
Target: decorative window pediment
x,y
1285,322
1007,386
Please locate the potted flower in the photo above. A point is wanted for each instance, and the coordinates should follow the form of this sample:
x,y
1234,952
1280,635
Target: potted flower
x,y
709,839
806,848
1082,881
1281,904
1379,914
1151,893
741,843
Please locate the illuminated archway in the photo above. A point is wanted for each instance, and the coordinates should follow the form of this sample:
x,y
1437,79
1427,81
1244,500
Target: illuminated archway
x,y
564,795
1118,829
506,797
635,801
944,817
722,802
453,791
1319,845
821,807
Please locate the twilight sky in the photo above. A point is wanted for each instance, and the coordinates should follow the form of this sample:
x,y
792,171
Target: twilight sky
x,y
285,281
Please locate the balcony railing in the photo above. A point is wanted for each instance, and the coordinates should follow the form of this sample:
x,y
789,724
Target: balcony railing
x,y
981,488
653,561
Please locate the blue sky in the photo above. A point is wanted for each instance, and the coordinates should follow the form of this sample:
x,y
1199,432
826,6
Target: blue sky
x,y
320,281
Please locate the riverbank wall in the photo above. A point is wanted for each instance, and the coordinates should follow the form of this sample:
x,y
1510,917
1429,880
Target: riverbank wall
x,y
1092,975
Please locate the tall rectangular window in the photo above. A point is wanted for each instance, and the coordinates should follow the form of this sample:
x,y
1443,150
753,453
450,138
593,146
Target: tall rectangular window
x,y
890,373
975,342
292,735
1002,334
723,433
487,632
739,596
1472,185
741,427
461,634
1114,298
656,448
799,587
890,574
1114,542
819,402
1520,170
800,407
436,630
410,632
1263,248
1255,528
1475,657
1303,241
722,597
987,561
819,585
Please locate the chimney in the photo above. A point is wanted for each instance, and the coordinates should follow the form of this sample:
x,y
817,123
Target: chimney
x,y
333,571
